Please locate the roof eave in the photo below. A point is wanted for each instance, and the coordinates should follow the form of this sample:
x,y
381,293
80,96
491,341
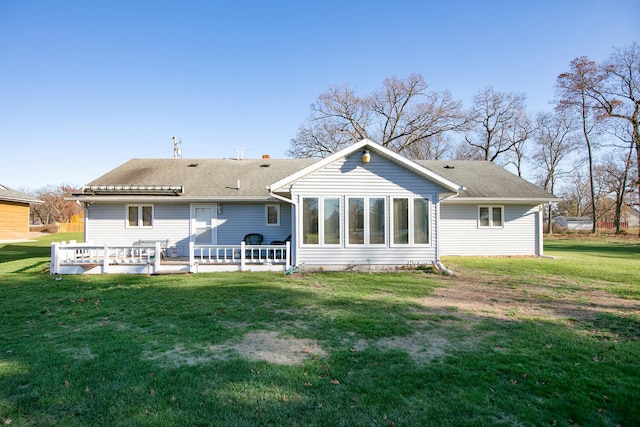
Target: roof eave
x,y
20,200
167,199
515,200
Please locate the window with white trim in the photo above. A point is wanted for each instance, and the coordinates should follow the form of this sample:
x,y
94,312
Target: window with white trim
x,y
321,220
490,216
139,216
366,221
410,222
272,213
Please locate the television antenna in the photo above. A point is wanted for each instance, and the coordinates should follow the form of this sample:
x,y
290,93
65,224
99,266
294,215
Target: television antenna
x,y
177,149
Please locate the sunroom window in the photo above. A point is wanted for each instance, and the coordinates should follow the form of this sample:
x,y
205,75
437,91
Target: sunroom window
x,y
321,230
366,221
411,221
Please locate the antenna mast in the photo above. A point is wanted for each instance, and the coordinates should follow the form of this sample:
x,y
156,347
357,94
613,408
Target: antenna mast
x,y
177,149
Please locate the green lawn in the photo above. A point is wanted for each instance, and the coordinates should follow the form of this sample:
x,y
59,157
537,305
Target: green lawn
x,y
327,349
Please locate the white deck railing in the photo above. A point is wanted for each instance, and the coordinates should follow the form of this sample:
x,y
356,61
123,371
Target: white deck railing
x,y
241,254
76,258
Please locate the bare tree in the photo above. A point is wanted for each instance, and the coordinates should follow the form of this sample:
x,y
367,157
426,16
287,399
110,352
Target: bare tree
x,y
55,208
617,169
575,89
495,119
575,196
619,95
517,135
554,140
436,148
401,116
337,119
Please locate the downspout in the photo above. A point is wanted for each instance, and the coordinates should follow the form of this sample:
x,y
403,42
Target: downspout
x,y
438,263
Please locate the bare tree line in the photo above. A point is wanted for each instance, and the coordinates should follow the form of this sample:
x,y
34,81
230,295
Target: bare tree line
x,y
583,149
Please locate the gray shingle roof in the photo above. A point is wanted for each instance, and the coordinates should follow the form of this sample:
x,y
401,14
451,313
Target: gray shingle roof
x,y
9,195
206,177
482,179
217,178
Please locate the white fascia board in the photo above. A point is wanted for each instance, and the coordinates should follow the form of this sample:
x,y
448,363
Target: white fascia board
x,y
21,200
494,200
376,148
167,199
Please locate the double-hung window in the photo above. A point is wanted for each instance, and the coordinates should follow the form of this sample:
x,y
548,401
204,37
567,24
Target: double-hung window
x,y
321,220
490,217
366,221
410,221
139,216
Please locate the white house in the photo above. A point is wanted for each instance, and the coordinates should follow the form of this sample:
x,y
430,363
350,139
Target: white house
x,y
364,207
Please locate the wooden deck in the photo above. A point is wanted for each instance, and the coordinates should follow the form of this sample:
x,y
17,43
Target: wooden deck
x,y
84,258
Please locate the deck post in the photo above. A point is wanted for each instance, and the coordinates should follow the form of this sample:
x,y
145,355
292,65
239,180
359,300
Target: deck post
x,y
158,259
242,256
105,261
55,261
288,255
192,257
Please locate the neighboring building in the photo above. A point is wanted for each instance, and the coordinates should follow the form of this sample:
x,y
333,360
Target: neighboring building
x,y
379,210
574,223
14,214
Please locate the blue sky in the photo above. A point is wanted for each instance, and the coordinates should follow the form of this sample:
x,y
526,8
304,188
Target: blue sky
x,y
87,85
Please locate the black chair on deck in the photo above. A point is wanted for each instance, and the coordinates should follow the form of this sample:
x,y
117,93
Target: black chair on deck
x,y
281,253
253,239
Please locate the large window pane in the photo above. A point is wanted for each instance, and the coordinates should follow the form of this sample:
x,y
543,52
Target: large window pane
x,y
484,217
497,217
356,221
310,220
420,221
376,221
331,221
147,216
133,216
401,221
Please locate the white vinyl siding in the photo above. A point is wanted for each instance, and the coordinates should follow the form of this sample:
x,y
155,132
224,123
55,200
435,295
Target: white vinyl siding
x,y
106,223
460,234
381,181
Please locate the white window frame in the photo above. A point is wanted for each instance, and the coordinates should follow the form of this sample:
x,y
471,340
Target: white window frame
x,y
321,242
411,222
491,208
266,214
140,218
366,221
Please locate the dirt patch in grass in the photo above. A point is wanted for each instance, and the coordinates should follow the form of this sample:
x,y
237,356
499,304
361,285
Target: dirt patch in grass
x,y
495,297
274,348
267,346
422,348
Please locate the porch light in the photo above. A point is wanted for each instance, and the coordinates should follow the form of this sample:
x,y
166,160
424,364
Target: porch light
x,y
366,157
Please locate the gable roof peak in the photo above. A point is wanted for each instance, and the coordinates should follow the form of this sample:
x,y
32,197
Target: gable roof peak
x,y
377,149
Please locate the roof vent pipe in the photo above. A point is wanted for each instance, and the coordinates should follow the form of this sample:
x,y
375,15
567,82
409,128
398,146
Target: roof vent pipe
x,y
238,185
